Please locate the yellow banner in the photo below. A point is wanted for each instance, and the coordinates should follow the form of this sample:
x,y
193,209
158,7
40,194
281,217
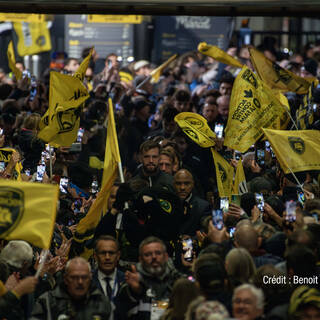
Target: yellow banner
x,y
60,124
81,71
22,17
86,227
240,183
196,128
275,76
156,73
98,18
224,174
12,62
5,156
32,38
24,216
297,150
253,106
218,54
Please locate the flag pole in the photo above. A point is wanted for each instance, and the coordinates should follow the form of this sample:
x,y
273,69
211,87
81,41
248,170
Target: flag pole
x,y
294,124
295,177
42,262
50,161
143,82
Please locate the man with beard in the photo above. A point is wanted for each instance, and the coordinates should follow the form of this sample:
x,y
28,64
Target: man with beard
x,y
149,168
148,285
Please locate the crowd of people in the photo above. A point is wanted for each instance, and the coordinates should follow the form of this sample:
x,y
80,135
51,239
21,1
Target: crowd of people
x,y
158,251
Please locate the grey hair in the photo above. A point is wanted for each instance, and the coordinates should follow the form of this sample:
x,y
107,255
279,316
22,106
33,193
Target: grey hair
x,y
16,253
77,260
257,292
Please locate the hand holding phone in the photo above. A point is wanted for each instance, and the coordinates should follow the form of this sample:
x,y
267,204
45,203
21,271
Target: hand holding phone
x,y
217,219
224,204
187,248
41,168
291,207
260,201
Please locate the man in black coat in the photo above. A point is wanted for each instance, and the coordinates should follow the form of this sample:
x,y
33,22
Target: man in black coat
x,y
195,208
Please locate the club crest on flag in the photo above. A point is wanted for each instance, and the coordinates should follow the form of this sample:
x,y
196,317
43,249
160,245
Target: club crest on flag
x,y
282,74
223,173
249,77
297,145
67,119
11,209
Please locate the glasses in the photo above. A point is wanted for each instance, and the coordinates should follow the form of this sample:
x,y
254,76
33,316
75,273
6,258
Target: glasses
x,y
78,278
243,301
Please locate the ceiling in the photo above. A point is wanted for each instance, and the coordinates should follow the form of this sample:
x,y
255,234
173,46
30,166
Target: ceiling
x,y
297,8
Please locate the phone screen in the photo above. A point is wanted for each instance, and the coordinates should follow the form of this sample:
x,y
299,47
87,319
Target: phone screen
x,y
236,199
224,204
232,231
2,166
260,201
64,182
217,219
218,129
301,197
41,168
187,248
291,210
80,134
237,155
260,157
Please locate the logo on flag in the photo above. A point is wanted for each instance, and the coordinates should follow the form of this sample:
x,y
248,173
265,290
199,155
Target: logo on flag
x,y
223,173
297,145
11,209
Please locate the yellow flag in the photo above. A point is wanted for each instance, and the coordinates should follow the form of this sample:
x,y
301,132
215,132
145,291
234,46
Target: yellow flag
x,y
240,184
156,73
5,156
224,174
87,225
33,37
297,150
60,124
24,216
12,62
218,54
275,76
196,128
81,71
253,106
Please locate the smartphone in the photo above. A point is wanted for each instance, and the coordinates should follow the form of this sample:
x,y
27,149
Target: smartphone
x,y
41,168
315,106
301,197
27,172
260,201
76,147
237,155
315,216
77,205
109,64
291,211
232,231
80,135
187,248
224,204
2,166
1,132
94,187
33,90
269,149
218,129
26,73
260,157
236,199
217,219
64,182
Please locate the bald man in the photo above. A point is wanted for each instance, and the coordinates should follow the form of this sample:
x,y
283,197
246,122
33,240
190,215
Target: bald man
x,y
246,236
195,208
75,298
223,109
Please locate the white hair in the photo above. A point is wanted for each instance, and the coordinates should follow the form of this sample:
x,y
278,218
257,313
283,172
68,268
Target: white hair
x,y
257,292
77,260
16,253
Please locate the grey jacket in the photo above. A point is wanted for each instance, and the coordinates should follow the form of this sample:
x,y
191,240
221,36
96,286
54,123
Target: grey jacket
x,y
58,305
